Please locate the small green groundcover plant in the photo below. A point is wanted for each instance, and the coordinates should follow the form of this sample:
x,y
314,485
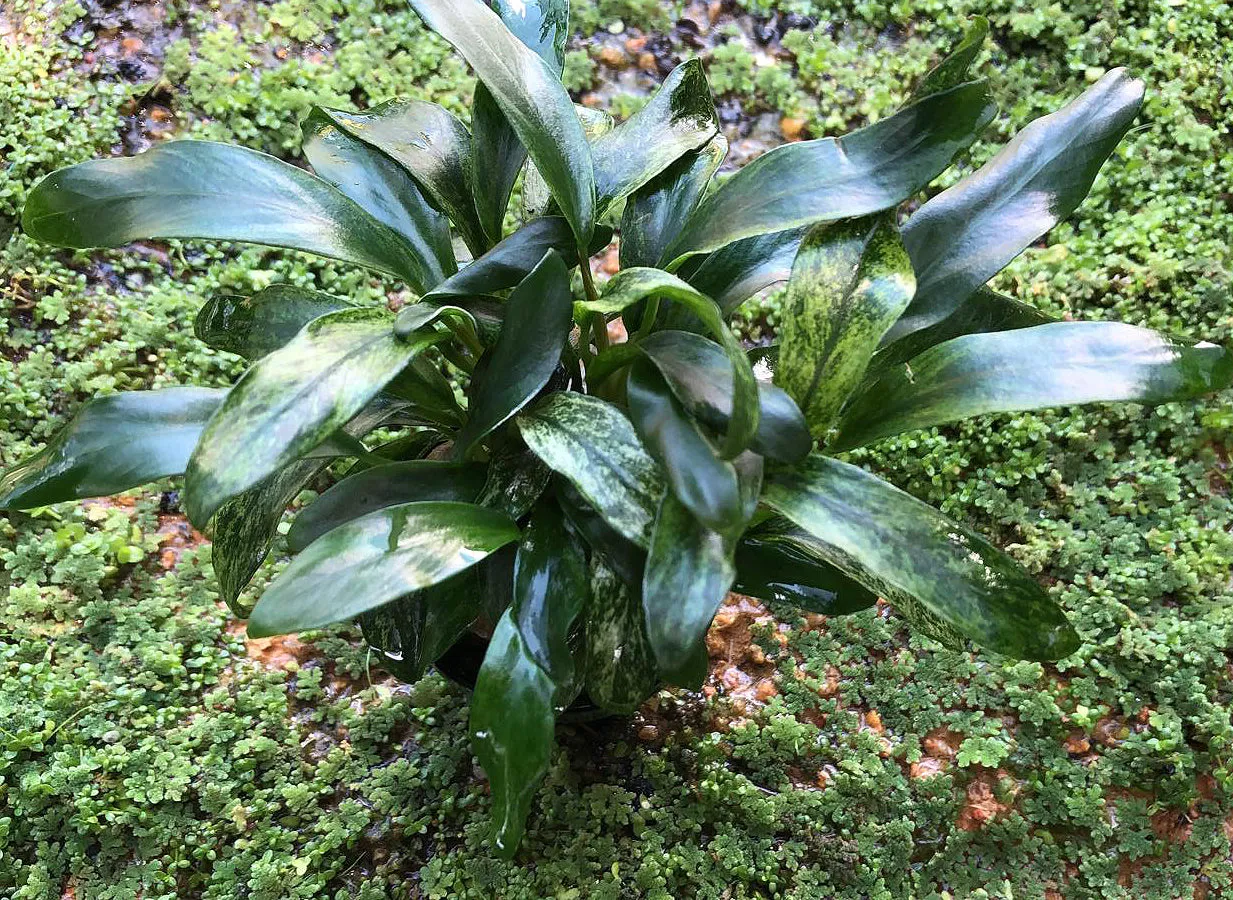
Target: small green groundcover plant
x,y
561,532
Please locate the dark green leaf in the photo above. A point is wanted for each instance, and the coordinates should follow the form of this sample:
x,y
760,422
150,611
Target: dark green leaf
x,y
619,553
593,445
679,117
415,316
952,71
967,234
378,558
512,726
629,286
850,282
497,572
704,483
655,213
543,25
429,393
867,171
516,479
199,189
550,592
499,157
733,274
113,444
411,445
430,143
689,570
244,527
982,312
253,326
386,191
620,663
292,400
538,319
775,561
700,375
532,97
1059,364
914,556
506,264
382,486
536,195
412,632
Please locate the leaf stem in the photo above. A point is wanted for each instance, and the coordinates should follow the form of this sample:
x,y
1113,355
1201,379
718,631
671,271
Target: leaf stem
x,y
467,335
599,325
649,314
584,268
458,356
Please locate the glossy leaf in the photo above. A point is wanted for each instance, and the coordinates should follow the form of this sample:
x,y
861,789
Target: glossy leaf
x,y
497,573
550,593
788,558
655,213
429,396
984,311
253,326
678,118
850,282
913,556
699,372
415,316
510,261
618,552
704,483
1059,364
431,144
775,562
113,443
536,195
543,25
512,730
516,479
382,486
413,632
538,318
292,400
733,274
498,158
415,444
867,171
630,286
200,189
594,446
386,191
532,98
620,662
689,570
967,234
952,71
244,527
377,558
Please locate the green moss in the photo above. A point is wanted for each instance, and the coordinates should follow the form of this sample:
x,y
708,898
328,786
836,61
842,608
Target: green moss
x,y
141,753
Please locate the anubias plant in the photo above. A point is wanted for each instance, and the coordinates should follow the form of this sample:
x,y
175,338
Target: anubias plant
x,y
561,533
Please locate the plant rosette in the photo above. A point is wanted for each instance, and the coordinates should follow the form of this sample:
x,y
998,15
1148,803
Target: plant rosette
x,y
583,504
